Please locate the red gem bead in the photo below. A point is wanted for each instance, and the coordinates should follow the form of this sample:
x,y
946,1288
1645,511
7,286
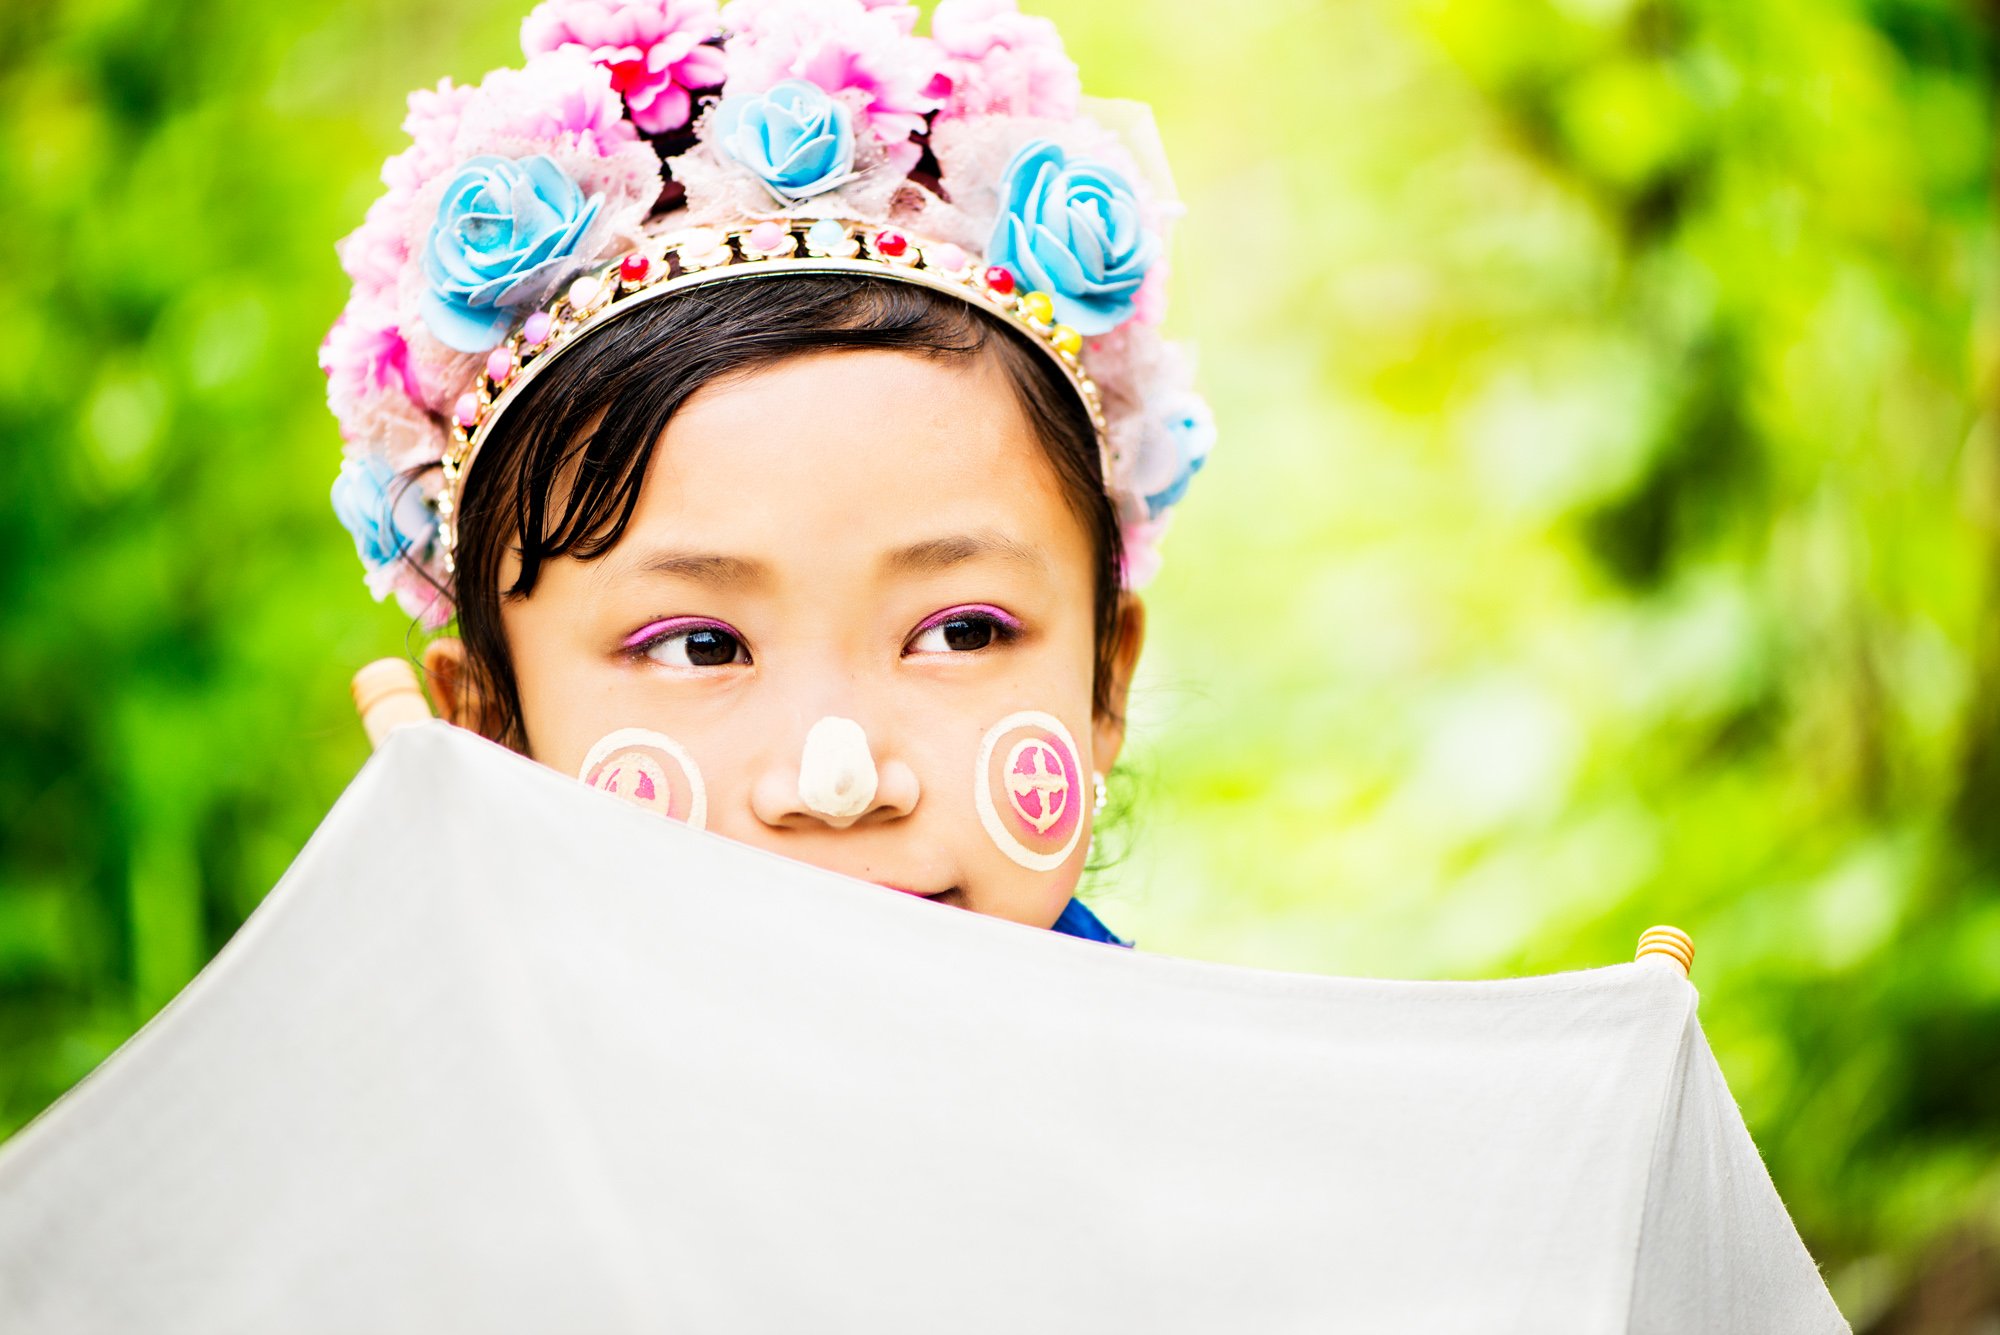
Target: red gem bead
x,y
633,268
1000,280
891,244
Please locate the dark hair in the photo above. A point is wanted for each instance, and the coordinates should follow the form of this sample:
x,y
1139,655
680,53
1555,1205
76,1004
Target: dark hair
x,y
637,370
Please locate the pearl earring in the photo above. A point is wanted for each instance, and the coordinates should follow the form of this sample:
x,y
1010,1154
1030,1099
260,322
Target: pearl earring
x,y
1100,797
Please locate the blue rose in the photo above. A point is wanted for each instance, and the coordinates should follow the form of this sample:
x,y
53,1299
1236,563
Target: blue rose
x,y
1070,227
1189,429
386,513
505,232
797,139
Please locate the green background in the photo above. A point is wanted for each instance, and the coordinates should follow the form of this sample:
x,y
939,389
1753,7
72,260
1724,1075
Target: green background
x,y
1605,528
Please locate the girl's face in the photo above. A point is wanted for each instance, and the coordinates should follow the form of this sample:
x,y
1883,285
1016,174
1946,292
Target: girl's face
x,y
870,536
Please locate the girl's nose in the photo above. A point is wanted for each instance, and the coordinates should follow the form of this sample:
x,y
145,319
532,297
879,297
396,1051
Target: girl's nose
x,y
837,782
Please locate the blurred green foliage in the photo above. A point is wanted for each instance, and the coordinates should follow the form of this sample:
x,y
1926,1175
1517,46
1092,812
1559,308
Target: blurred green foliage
x,y
1605,530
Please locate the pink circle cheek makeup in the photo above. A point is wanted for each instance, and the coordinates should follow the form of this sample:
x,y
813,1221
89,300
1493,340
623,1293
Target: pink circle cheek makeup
x,y
1039,779
1029,791
648,769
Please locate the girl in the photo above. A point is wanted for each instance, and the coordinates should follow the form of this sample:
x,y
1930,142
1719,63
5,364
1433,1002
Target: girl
x,y
774,398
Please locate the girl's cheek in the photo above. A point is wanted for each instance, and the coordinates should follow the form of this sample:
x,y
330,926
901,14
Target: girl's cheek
x,y
1027,787
648,769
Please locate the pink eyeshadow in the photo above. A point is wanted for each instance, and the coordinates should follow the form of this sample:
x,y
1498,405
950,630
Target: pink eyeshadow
x,y
953,613
658,628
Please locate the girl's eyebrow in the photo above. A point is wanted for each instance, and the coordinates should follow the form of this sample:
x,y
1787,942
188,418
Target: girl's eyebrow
x,y
936,554
701,567
926,557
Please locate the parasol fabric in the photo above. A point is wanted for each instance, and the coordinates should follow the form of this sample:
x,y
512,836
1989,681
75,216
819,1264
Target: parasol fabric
x,y
502,1053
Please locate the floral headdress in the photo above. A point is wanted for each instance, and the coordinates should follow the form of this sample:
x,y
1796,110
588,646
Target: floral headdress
x,y
648,146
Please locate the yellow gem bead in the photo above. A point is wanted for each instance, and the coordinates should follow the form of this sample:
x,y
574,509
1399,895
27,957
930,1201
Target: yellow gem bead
x,y
1066,339
1039,306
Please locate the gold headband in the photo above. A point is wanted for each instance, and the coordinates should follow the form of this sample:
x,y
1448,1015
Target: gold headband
x,y
710,255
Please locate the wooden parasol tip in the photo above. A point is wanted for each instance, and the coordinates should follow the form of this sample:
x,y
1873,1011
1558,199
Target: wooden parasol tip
x,y
1670,943
387,696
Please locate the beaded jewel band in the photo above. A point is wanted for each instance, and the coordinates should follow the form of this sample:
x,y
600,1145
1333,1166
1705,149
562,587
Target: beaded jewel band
x,y
711,255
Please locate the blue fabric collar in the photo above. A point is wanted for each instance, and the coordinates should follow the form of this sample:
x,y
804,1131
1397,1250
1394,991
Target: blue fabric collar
x,y
1077,920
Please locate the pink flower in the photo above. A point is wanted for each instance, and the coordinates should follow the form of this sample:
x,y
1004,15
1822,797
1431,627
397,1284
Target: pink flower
x,y
373,386
843,46
1142,552
432,124
654,50
561,100
364,354
374,253
997,61
434,113
1149,303
416,590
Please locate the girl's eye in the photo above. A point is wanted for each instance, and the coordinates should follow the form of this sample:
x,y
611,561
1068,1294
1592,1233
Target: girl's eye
x,y
701,645
964,630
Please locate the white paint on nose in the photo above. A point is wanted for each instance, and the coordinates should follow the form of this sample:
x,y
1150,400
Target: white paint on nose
x,y
837,772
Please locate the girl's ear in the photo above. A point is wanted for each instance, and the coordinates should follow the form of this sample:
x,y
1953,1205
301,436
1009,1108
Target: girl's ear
x,y
1108,730
453,689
